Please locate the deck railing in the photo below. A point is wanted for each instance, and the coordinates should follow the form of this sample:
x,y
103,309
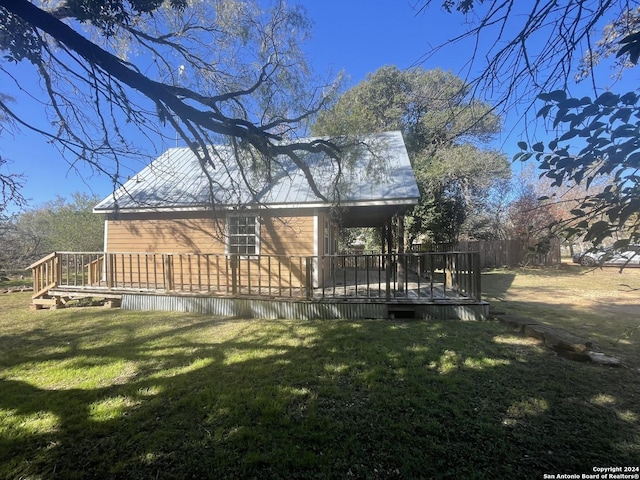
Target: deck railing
x,y
428,275
358,276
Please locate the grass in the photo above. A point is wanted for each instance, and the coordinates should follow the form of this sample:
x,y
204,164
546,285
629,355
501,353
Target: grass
x,y
99,393
599,304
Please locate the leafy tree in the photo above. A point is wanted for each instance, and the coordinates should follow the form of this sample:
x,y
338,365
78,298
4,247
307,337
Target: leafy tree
x,y
59,225
532,55
609,126
214,71
442,125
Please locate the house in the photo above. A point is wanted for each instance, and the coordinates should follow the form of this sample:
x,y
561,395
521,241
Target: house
x,y
174,206
229,236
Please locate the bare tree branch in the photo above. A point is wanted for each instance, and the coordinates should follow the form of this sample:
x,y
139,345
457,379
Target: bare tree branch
x,y
255,102
528,48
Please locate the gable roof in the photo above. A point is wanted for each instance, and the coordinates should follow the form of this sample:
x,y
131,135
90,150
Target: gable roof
x,y
376,171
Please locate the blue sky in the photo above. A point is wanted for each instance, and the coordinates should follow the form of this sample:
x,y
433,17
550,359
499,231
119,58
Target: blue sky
x,y
356,36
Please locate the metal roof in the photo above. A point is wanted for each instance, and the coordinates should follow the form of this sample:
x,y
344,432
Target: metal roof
x,y
375,168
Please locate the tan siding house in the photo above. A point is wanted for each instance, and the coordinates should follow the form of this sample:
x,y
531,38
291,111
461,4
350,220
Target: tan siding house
x,y
189,235
171,207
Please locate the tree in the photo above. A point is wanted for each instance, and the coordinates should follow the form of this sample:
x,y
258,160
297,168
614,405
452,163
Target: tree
x,y
531,213
610,128
522,49
10,182
214,71
443,127
58,225
622,27
533,52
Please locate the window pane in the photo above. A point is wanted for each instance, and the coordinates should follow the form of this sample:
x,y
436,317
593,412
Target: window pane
x,y
242,235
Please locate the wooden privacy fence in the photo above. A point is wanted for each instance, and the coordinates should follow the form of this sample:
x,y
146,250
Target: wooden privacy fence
x,y
513,253
383,276
508,253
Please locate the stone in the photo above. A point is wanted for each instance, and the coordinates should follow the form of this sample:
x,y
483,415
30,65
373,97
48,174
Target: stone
x,y
556,339
602,359
112,303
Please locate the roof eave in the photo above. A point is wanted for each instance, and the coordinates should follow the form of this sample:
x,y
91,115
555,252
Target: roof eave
x,y
409,201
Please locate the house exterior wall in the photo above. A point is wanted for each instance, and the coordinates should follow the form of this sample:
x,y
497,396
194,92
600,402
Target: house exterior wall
x,y
200,253
279,234
151,233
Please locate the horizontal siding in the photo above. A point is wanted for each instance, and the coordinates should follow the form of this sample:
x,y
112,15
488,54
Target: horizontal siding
x,y
287,236
278,235
166,235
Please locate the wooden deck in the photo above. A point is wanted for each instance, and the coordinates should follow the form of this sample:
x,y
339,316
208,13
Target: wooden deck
x,y
451,278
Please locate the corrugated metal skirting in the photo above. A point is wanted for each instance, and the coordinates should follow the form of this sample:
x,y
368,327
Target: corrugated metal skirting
x,y
273,309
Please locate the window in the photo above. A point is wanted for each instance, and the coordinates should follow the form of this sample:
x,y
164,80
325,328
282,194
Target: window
x,y
243,234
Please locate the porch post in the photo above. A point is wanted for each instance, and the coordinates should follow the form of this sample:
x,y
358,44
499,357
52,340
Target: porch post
x,y
110,264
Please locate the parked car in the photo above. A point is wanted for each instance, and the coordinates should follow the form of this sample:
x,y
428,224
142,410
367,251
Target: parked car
x,y
608,256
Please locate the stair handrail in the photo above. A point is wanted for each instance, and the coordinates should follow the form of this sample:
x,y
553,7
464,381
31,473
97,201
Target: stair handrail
x,y
41,286
42,260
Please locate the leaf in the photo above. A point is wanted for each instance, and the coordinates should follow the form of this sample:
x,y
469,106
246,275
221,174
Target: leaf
x,y
585,101
555,96
544,111
622,113
559,117
633,160
624,131
607,98
538,147
522,156
569,134
631,46
523,145
629,98
597,231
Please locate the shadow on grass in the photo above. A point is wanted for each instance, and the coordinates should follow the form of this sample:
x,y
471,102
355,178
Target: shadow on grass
x,y
158,395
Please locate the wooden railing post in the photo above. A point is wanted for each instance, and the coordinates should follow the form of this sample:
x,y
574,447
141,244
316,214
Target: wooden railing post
x,y
477,274
57,269
448,271
108,262
309,277
168,272
388,273
234,274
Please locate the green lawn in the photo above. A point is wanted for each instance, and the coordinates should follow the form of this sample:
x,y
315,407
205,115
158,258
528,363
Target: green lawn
x,y
98,393
599,304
